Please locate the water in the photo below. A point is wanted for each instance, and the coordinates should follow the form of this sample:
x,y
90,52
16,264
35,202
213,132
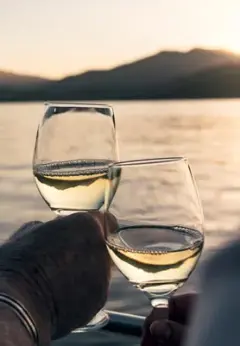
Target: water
x,y
208,132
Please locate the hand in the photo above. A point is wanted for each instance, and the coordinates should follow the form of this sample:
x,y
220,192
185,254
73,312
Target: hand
x,y
59,270
170,332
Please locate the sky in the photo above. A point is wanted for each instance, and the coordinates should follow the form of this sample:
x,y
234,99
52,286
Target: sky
x,y
55,38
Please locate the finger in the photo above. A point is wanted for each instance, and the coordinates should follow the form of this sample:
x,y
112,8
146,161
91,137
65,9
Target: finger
x,y
25,228
181,306
147,339
155,315
167,333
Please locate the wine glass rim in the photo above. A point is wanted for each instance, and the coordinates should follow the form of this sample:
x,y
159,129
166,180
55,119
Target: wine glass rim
x,y
76,104
150,161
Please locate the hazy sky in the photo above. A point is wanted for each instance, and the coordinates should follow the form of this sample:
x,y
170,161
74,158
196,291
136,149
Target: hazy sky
x,y
58,37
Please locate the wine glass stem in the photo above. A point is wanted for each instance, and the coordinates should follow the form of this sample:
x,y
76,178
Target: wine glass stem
x,y
160,303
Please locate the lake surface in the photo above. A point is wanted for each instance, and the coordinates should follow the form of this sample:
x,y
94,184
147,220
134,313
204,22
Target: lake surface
x,y
207,132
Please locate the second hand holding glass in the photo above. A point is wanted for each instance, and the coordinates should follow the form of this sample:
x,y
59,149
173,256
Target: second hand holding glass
x,y
160,234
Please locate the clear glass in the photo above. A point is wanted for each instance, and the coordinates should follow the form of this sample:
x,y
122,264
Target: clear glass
x,y
159,234
75,144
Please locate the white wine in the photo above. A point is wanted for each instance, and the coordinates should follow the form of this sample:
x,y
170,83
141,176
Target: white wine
x,y
155,259
70,186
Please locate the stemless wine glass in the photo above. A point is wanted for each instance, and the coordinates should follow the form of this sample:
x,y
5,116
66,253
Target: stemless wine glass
x,y
159,237
75,143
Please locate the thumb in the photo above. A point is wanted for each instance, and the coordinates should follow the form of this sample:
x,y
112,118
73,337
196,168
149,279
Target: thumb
x,y
167,332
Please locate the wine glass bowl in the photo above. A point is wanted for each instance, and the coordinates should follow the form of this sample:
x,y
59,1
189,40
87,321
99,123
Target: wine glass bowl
x,y
159,237
75,144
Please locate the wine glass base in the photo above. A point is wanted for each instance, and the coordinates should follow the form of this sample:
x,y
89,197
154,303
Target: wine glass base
x,y
98,322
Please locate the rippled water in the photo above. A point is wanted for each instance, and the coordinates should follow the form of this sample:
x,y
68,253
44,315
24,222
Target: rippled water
x,y
207,132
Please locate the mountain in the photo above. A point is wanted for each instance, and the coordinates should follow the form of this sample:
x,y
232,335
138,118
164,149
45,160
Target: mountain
x,y
161,67
11,79
223,81
168,74
150,77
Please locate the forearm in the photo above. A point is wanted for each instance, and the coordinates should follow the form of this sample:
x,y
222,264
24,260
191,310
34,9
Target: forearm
x,y
36,307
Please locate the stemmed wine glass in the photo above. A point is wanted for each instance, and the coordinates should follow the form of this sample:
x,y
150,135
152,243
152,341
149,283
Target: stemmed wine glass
x,y
159,237
75,144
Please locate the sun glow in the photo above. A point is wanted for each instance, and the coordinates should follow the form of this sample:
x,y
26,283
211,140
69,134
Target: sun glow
x,y
60,45
233,42
231,30
234,47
